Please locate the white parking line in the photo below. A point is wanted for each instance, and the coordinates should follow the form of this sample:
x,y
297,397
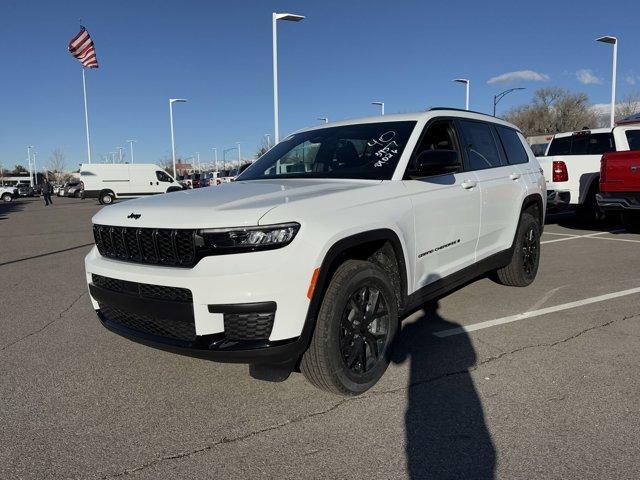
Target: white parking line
x,y
588,235
534,313
563,234
616,239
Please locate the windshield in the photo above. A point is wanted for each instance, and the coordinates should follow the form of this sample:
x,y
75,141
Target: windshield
x,y
364,151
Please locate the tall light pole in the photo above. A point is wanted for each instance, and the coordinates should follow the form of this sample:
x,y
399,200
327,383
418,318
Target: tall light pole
x,y
199,164
239,155
131,142
35,169
612,41
381,104
501,95
467,83
29,147
290,17
323,119
173,142
119,154
268,137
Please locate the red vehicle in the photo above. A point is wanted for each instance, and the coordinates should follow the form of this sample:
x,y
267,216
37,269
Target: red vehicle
x,y
620,186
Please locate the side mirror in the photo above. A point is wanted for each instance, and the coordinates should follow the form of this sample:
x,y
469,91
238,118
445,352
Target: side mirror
x,y
436,162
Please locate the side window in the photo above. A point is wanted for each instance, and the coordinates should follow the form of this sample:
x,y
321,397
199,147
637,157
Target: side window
x,y
600,143
560,146
479,145
516,154
439,135
633,137
163,177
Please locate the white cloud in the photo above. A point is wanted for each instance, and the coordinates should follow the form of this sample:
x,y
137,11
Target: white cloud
x,y
631,80
601,108
520,75
586,77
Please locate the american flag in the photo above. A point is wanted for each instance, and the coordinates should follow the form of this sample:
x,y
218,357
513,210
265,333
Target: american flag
x,y
81,47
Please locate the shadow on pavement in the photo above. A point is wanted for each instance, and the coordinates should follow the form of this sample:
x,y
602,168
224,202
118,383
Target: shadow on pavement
x,y
7,208
572,221
446,433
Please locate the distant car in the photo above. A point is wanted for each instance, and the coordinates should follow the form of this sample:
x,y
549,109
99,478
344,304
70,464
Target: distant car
x,y
61,189
74,189
25,191
7,194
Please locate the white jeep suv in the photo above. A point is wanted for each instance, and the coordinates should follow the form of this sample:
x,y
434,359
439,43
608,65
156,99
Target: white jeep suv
x,y
312,256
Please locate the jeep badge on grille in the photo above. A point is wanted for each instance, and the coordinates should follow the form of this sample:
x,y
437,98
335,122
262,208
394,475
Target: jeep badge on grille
x,y
135,216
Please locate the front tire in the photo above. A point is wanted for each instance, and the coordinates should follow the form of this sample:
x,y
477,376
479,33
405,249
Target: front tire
x,y
7,197
357,321
522,269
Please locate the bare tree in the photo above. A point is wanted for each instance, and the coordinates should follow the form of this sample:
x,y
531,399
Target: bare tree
x,y
553,110
57,163
262,148
629,105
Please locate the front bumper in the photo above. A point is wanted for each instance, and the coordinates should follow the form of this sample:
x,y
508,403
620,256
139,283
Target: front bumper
x,y
219,286
617,201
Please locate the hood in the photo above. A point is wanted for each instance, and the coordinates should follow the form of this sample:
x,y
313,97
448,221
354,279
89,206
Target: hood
x,y
227,205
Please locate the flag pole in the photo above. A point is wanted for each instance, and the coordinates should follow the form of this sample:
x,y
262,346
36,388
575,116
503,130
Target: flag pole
x,y
86,115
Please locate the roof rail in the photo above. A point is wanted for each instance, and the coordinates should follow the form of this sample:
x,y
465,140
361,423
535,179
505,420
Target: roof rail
x,y
460,110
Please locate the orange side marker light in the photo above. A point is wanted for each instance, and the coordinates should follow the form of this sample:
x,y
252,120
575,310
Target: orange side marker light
x,y
312,284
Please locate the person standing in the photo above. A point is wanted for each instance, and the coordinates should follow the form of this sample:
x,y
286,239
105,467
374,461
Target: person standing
x,y
47,190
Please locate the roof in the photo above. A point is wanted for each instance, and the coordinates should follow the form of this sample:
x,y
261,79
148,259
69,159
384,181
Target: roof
x,y
416,116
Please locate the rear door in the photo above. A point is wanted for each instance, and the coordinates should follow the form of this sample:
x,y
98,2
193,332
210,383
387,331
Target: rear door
x,y
446,209
501,186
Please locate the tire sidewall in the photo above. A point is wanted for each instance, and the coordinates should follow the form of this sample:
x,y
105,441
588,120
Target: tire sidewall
x,y
332,314
6,198
106,198
528,221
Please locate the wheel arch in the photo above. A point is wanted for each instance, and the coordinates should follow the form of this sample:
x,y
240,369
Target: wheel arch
x,y
534,201
360,245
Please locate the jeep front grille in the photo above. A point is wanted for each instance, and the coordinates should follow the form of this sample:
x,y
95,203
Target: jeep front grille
x,y
154,246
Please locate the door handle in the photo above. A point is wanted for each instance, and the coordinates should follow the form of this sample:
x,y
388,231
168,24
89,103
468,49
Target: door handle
x,y
514,176
469,184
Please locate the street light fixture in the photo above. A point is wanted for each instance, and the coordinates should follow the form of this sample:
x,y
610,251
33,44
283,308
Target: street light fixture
x,y
501,95
381,104
173,143
467,82
612,41
131,142
289,17
323,119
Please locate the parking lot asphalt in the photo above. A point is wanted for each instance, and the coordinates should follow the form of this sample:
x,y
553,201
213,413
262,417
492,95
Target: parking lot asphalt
x,y
487,382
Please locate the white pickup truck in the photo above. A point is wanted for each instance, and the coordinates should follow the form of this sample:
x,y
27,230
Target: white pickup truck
x,y
571,165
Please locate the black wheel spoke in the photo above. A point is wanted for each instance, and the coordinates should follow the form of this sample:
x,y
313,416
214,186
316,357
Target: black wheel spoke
x,y
356,352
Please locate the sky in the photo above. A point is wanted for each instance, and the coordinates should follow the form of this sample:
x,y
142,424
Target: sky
x,y
343,56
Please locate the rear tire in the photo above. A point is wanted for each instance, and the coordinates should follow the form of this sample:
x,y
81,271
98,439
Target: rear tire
x,y
356,325
522,269
590,211
631,221
106,198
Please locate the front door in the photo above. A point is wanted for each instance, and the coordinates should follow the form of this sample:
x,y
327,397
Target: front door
x,y
446,209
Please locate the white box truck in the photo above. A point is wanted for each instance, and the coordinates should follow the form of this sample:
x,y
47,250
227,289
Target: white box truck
x,y
108,181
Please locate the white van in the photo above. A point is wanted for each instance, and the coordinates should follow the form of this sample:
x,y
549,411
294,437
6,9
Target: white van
x,y
108,181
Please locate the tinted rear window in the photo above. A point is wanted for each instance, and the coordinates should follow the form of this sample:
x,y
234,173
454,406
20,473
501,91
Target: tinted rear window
x,y
582,144
516,153
633,137
480,145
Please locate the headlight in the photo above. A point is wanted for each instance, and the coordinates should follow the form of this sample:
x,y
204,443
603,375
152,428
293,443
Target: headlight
x,y
217,241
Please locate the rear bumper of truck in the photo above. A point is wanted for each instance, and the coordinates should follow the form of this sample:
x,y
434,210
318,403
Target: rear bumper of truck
x,y
558,200
622,201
